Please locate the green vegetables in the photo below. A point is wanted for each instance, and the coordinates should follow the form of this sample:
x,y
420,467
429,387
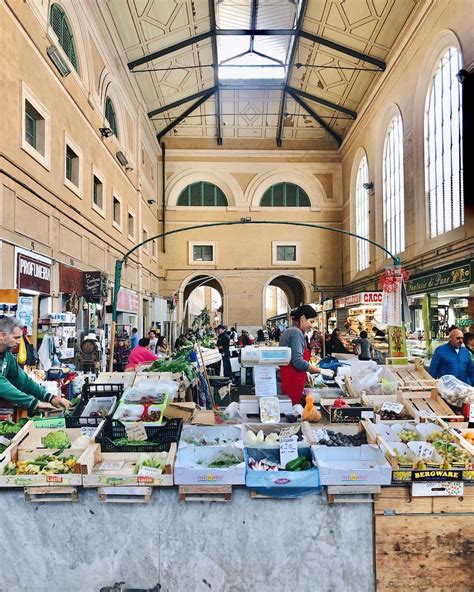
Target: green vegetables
x,y
45,464
179,363
10,427
57,439
129,442
226,459
155,461
301,463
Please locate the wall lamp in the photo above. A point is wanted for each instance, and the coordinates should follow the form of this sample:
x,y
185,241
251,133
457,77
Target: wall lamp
x,y
58,60
106,132
121,158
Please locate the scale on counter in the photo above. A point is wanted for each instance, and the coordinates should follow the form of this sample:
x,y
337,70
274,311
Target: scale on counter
x,y
266,358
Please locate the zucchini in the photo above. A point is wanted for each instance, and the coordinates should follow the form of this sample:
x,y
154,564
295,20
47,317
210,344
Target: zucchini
x,y
306,465
295,463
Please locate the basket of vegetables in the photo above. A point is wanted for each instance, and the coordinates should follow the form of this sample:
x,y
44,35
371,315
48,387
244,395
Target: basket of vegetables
x,y
113,437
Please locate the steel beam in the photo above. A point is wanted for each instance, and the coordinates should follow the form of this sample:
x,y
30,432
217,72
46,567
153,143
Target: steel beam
x,y
179,102
321,101
253,21
253,86
167,50
183,116
299,24
315,116
212,14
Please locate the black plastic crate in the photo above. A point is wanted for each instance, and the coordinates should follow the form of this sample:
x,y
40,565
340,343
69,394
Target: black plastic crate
x,y
91,389
160,438
76,421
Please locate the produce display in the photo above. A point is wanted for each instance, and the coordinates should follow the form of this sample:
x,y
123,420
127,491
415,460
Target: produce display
x,y
310,413
8,428
58,439
271,438
226,459
206,440
154,461
408,435
262,465
391,415
469,436
339,439
178,363
454,391
45,464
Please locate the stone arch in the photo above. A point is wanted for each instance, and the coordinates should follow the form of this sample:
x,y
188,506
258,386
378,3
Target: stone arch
x,y
108,88
359,154
308,182
224,181
192,281
443,41
296,289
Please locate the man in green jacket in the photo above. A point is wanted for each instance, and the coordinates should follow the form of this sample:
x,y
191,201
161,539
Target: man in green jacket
x,y
15,385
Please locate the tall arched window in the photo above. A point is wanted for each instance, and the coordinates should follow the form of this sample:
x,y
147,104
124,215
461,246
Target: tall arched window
x,y
285,195
362,214
110,115
393,190
443,146
60,25
202,194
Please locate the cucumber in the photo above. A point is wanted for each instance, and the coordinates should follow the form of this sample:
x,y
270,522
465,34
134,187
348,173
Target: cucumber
x,y
295,463
306,465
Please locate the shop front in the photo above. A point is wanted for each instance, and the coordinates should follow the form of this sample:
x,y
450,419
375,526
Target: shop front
x,y
34,286
438,300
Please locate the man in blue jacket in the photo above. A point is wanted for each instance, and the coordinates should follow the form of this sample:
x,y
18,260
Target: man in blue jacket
x,y
453,358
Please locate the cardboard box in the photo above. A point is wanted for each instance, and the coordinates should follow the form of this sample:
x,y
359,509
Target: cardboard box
x,y
363,465
184,411
191,467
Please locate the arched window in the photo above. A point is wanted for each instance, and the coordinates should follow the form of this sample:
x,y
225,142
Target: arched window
x,y
285,195
110,115
393,190
443,146
61,27
362,214
202,194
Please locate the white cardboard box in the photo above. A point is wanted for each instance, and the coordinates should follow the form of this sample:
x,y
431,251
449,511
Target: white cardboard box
x,y
362,465
190,469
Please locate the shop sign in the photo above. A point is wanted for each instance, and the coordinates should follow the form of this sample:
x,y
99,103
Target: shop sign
x,y
127,301
365,298
95,284
371,298
71,280
352,300
437,475
340,302
33,274
328,304
448,278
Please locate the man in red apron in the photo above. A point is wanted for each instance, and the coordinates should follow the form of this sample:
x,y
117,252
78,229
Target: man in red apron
x,y
293,376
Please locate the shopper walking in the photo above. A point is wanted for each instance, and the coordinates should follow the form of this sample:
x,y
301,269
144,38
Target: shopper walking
x,y
365,346
453,358
134,338
223,343
293,376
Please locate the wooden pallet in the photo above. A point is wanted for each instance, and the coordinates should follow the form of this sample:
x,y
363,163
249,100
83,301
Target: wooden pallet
x,y
50,494
205,493
125,495
352,494
422,403
413,377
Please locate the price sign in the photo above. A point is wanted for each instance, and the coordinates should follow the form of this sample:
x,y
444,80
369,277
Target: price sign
x,y
112,465
136,431
288,432
321,434
88,431
367,414
288,450
427,414
421,449
395,407
4,441
50,422
153,472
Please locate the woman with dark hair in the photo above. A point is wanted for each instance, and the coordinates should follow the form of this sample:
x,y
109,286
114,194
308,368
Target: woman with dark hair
x,y
260,336
162,345
293,376
141,354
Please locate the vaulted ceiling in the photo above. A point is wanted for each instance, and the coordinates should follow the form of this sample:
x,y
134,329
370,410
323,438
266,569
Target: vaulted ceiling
x,y
256,72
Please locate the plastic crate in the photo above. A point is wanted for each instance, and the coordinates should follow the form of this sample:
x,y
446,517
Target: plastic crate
x,y
81,418
92,389
160,438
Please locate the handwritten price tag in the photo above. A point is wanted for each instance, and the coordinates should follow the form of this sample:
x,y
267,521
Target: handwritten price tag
x,y
288,432
4,441
395,407
136,431
427,414
88,431
421,449
321,435
288,450
112,465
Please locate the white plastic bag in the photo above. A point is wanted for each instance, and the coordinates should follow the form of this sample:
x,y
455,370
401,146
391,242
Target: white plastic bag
x,y
455,391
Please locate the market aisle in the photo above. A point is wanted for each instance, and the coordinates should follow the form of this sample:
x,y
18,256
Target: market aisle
x,y
257,545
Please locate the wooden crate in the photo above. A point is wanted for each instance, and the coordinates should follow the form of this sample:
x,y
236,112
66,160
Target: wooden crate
x,y
27,445
413,377
423,403
123,475
423,544
352,494
205,493
50,494
125,495
376,401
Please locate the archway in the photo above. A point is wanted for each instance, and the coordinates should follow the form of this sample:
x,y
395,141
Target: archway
x,y
198,292
281,293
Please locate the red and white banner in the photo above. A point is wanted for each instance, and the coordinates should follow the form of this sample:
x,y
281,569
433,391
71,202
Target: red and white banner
x,y
392,281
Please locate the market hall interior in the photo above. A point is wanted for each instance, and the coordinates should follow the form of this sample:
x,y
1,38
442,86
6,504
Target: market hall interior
x,y
124,120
